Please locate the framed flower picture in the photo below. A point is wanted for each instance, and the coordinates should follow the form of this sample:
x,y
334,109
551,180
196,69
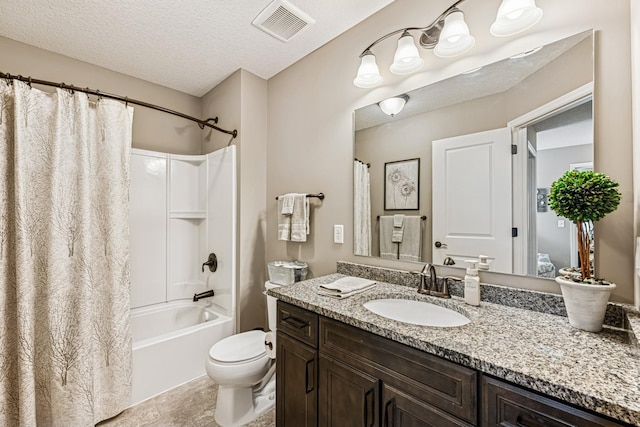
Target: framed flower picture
x,y
401,185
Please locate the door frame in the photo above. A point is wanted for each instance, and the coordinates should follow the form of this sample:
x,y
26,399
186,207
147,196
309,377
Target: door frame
x,y
520,186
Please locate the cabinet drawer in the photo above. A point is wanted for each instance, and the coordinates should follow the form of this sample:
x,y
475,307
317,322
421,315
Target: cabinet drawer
x,y
440,383
298,323
509,405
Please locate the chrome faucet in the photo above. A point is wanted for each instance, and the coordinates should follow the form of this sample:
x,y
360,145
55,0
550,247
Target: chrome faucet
x,y
431,287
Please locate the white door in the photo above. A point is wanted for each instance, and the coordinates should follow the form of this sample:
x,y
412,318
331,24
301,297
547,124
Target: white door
x,y
472,199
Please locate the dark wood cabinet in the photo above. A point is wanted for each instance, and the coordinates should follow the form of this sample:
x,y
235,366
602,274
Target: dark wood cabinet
x,y
331,374
346,395
400,409
296,367
296,383
508,405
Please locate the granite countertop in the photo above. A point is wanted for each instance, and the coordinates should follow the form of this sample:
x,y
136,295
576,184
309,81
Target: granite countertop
x,y
540,351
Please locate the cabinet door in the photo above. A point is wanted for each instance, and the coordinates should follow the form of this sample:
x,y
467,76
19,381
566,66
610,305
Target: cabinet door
x,y
296,379
400,409
347,396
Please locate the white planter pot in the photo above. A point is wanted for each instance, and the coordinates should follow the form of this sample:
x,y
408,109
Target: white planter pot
x,y
586,304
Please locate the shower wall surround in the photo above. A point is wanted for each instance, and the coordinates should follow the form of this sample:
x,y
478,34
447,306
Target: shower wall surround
x,y
181,208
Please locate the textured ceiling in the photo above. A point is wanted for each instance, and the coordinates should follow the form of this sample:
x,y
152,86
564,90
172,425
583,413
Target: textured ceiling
x,y
187,45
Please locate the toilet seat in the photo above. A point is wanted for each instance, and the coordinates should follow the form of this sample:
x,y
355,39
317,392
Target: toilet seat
x,y
240,348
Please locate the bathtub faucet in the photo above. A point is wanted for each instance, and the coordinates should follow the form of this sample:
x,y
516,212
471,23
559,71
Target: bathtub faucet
x,y
204,294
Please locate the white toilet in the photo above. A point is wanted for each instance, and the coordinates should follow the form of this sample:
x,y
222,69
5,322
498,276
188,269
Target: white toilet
x,y
245,373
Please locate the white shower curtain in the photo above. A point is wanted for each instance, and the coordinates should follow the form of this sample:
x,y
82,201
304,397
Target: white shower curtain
x,y
65,343
361,210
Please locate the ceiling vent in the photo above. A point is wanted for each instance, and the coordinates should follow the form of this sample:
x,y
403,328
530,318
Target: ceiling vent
x,y
282,20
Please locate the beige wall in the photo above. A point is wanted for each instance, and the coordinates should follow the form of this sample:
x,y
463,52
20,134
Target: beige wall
x,y
243,98
152,130
310,129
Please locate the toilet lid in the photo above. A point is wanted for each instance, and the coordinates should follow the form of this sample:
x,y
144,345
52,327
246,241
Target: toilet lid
x,y
239,347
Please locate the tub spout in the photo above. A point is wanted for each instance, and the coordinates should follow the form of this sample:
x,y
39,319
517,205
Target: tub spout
x,y
204,294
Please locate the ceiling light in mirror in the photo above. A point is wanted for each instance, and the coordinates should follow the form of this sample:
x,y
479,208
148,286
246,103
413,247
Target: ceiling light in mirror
x,y
406,59
515,16
392,106
454,38
527,53
368,73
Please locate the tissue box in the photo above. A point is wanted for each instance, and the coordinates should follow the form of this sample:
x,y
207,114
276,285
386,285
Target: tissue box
x,y
287,272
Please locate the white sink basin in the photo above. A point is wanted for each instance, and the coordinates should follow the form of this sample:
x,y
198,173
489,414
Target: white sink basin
x,y
416,312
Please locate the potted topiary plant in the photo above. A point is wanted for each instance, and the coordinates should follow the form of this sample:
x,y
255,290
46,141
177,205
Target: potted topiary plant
x,y
584,197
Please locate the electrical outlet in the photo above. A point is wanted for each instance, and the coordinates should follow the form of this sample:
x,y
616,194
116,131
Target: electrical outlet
x,y
338,234
561,223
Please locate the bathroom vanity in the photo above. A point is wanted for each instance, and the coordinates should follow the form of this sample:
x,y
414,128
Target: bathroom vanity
x,y
340,365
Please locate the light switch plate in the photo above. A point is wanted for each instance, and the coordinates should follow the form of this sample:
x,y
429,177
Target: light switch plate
x,y
338,234
561,223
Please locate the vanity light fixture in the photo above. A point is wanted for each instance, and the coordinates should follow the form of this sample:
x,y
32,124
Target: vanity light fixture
x,y
392,106
448,35
515,16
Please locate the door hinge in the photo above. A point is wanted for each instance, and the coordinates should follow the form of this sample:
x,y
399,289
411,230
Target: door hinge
x,y
514,149
514,232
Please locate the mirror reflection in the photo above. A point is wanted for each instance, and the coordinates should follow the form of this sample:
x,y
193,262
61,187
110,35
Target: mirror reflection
x,y
463,169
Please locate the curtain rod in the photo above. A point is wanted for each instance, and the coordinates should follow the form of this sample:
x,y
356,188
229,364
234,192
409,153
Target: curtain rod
x,y
126,100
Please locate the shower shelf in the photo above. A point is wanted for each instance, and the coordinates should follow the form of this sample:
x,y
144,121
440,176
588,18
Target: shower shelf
x,y
188,215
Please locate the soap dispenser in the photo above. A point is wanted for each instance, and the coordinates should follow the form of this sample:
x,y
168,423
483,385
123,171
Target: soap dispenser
x,y
472,283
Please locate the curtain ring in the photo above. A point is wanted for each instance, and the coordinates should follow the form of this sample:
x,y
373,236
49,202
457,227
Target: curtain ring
x,y
126,101
29,83
72,90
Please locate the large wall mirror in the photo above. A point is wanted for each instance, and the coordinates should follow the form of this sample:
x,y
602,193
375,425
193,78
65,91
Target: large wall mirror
x,y
464,169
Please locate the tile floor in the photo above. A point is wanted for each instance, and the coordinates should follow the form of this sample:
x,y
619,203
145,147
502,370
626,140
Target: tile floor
x,y
190,405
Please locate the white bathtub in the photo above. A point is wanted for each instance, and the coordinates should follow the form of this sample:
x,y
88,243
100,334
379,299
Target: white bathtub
x,y
171,342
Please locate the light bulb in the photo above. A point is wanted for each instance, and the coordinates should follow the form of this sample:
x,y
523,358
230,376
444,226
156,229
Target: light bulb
x,y
454,38
406,59
515,16
368,72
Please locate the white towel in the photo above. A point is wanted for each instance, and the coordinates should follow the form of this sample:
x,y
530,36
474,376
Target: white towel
x,y
398,220
284,222
388,249
348,284
341,295
300,218
396,234
411,246
287,203
345,287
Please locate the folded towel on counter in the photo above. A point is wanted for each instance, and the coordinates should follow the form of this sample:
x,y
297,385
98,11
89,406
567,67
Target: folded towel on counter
x,y
300,218
347,285
287,203
398,219
340,295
